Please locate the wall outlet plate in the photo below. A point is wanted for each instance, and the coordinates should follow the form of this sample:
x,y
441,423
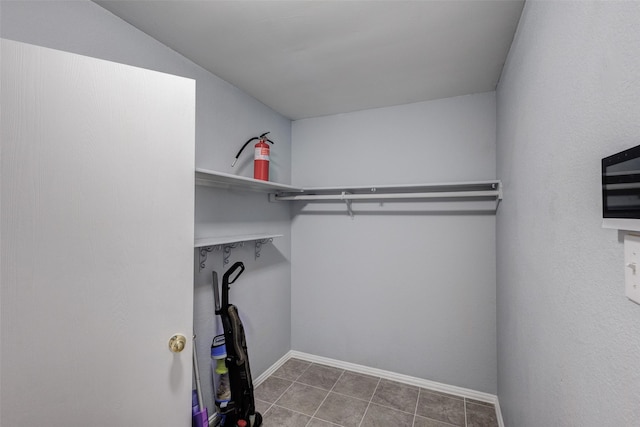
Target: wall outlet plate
x,y
632,267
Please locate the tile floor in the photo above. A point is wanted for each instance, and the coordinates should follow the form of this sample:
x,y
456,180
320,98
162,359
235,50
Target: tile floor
x,y
307,394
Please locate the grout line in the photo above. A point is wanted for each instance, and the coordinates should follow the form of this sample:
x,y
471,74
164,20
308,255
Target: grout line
x,y
292,410
369,404
415,412
329,422
289,379
447,395
287,389
305,369
270,370
358,398
263,401
281,378
364,400
378,404
299,375
415,416
282,394
336,392
443,423
325,398
465,412
480,403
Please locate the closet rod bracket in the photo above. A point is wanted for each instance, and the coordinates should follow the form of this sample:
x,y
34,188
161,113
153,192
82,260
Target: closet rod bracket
x,y
227,251
498,187
259,244
347,201
204,252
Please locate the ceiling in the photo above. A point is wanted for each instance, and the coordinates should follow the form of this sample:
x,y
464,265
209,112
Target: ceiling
x,y
313,58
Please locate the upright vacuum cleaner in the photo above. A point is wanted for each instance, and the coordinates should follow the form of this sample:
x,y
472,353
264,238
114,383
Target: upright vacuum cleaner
x,y
240,410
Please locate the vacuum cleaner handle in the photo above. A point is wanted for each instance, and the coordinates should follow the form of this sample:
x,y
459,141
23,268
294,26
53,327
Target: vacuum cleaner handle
x,y
229,273
226,282
216,293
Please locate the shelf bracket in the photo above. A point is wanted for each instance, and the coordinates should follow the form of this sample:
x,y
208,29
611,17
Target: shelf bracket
x,y
259,244
498,187
348,203
204,252
227,251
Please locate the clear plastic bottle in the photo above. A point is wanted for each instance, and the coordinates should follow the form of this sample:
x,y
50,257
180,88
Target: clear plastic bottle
x,y
223,391
220,372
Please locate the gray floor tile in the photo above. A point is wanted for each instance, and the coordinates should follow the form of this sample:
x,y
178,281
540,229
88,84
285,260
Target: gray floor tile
x,y
271,389
481,416
453,396
441,408
319,423
281,417
426,422
262,406
302,398
300,390
320,376
379,416
292,369
344,410
395,395
356,385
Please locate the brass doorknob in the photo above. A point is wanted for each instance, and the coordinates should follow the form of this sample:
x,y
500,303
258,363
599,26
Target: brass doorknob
x,y
177,343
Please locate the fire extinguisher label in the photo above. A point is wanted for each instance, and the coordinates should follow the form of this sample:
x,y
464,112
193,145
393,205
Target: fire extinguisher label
x,y
262,154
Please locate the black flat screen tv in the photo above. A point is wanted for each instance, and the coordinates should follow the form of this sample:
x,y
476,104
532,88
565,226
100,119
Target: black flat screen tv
x,y
621,190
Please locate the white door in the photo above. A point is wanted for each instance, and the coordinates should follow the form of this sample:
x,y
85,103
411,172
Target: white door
x,y
97,175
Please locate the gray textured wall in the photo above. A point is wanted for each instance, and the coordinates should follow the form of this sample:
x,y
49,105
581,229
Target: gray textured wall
x,y
569,340
399,287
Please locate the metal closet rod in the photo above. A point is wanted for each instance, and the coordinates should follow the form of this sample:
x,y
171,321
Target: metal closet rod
x,y
492,194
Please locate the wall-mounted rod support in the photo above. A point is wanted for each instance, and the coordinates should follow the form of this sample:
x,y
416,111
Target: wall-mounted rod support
x,y
204,252
205,245
347,201
259,244
227,251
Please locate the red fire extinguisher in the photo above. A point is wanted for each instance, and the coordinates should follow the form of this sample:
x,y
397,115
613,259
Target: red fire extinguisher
x,y
260,157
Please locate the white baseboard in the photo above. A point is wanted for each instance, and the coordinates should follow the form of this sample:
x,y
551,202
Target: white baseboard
x,y
499,413
270,370
393,376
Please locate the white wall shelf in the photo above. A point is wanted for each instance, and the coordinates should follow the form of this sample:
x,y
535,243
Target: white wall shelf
x,y
206,245
472,190
209,178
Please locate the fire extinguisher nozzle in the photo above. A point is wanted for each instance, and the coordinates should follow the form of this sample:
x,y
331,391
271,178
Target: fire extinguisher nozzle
x,y
234,162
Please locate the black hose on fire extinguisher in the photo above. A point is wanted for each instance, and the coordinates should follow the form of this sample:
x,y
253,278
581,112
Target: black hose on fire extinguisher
x,y
261,137
261,156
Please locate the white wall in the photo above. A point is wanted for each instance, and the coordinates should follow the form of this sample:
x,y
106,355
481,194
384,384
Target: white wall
x,y
225,118
569,340
401,287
